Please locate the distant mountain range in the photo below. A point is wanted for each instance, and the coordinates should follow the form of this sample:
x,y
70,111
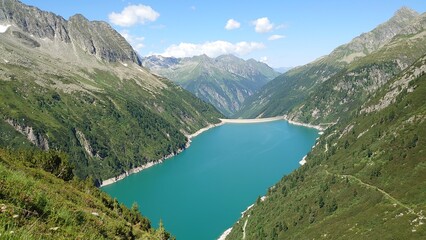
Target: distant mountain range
x,y
282,69
225,81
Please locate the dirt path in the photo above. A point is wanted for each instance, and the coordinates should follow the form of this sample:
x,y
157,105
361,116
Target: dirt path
x,y
244,227
387,195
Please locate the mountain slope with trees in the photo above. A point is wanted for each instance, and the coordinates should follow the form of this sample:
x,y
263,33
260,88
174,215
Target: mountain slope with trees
x,y
78,86
365,178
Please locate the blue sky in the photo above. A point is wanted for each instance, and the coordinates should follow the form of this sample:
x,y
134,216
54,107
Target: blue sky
x,y
281,33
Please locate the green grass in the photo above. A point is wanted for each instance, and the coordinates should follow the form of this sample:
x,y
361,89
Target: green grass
x,y
42,200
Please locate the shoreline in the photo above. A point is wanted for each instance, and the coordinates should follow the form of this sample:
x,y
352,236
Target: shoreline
x,y
317,127
223,121
147,165
252,120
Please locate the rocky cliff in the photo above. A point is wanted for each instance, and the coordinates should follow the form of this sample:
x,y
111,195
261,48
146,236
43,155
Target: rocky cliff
x,y
94,37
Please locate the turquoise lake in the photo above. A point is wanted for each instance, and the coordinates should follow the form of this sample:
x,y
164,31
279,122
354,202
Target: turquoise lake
x,y
202,191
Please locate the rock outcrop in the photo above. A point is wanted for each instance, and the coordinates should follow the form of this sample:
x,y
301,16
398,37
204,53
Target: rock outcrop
x,y
94,37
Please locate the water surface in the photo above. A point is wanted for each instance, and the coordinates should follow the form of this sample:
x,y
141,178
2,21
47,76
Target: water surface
x,y
202,191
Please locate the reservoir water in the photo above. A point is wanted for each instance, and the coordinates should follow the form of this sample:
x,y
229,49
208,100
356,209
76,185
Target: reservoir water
x,y
202,191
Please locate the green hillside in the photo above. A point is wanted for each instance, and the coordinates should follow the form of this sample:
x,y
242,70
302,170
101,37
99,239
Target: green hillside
x,y
41,199
106,124
365,178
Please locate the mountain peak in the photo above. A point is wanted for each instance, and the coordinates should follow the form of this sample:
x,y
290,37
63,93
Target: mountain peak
x,y
406,12
369,42
93,37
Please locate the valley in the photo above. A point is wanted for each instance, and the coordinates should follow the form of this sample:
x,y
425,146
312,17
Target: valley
x,y
91,109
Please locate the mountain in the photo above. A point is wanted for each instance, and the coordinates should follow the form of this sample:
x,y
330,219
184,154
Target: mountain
x,y
309,93
282,69
77,86
225,81
365,177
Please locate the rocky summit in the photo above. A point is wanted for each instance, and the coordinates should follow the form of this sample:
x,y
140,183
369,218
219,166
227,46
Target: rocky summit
x,y
94,37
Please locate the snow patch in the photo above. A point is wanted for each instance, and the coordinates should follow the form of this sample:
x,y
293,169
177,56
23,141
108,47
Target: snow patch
x,y
3,28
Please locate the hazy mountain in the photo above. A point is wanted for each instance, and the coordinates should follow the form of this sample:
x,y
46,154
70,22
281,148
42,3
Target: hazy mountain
x,y
77,86
364,178
282,69
225,81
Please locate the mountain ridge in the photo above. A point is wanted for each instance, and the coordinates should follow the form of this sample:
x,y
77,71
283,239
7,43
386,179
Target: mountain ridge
x,y
286,94
77,31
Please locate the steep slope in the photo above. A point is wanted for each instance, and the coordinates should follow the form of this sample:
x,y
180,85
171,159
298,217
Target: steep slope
x,y
78,86
39,199
225,81
97,38
311,84
364,179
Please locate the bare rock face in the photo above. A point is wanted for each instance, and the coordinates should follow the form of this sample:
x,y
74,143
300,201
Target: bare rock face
x,y
369,42
94,37
34,21
98,38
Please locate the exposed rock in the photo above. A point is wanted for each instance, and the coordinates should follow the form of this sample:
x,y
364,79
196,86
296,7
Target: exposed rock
x,y
398,87
84,142
35,138
369,42
94,37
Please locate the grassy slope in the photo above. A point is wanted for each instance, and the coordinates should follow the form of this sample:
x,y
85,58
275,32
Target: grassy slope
x,y
36,204
360,182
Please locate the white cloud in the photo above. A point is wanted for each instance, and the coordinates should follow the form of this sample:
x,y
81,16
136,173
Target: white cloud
x,y
263,25
281,26
264,60
211,49
136,42
232,24
133,14
275,37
